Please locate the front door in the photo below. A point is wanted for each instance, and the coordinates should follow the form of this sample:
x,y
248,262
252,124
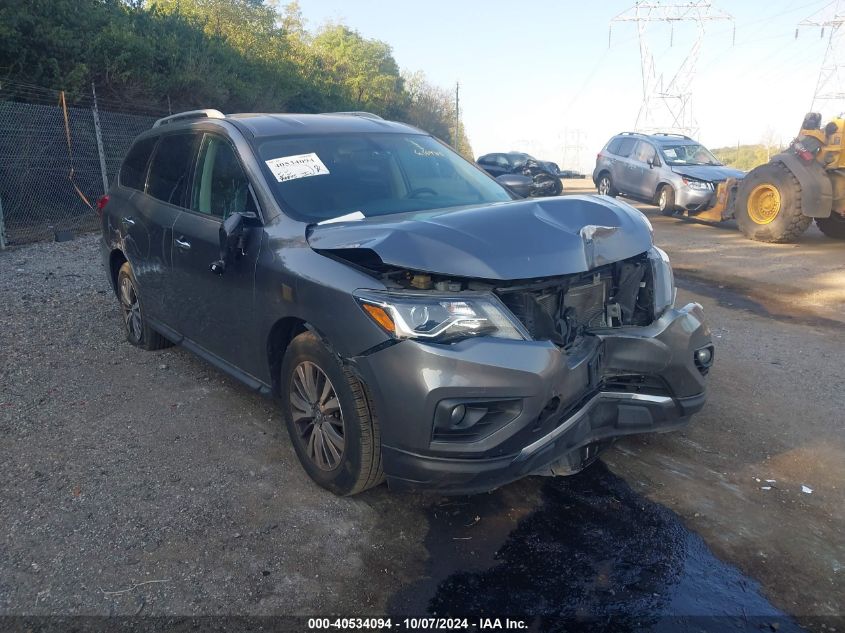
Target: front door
x,y
216,310
646,177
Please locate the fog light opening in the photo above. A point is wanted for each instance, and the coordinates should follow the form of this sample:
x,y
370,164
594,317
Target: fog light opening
x,y
703,358
457,415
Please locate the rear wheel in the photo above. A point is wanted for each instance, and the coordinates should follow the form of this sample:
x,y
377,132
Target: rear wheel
x,y
768,205
605,186
138,331
331,423
666,200
834,226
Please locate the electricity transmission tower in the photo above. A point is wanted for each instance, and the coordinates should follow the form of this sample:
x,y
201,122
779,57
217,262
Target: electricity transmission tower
x,y
830,86
667,105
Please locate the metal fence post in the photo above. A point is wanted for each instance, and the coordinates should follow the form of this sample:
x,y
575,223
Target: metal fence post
x,y
2,228
99,135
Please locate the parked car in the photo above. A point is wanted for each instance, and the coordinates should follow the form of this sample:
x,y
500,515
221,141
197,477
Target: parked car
x,y
670,170
544,174
571,173
413,319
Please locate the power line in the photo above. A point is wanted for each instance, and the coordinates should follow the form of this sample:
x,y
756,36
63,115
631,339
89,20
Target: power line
x,y
668,106
830,86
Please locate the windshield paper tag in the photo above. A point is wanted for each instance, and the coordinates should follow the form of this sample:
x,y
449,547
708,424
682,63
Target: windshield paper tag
x,y
299,166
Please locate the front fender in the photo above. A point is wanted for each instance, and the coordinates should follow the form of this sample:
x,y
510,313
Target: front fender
x,y
816,188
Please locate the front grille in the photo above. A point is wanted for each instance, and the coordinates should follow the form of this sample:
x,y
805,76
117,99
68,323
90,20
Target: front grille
x,y
637,383
564,309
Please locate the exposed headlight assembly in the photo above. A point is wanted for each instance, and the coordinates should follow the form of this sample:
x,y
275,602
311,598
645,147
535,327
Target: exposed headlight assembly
x,y
699,185
664,281
439,318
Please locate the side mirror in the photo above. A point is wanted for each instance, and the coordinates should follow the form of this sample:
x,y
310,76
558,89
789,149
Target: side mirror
x,y
232,237
651,163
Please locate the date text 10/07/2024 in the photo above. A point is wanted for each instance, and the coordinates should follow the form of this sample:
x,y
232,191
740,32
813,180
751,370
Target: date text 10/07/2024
x,y
416,624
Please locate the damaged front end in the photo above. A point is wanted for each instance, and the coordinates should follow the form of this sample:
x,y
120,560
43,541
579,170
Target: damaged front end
x,y
563,309
486,378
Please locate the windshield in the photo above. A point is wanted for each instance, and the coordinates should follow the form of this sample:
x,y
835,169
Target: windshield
x,y
322,177
688,154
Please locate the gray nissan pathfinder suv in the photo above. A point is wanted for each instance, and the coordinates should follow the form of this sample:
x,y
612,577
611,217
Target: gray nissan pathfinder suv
x,y
416,322
670,170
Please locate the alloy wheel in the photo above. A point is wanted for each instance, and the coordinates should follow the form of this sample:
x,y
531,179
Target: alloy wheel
x,y
604,185
316,413
131,308
661,202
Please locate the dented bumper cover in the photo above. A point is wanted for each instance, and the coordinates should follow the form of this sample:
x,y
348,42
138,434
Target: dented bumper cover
x,y
553,411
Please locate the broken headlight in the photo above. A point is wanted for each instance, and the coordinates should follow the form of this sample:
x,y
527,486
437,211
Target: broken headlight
x,y
664,281
439,318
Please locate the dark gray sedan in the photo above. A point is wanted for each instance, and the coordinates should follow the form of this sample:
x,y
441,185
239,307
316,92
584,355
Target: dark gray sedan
x,y
415,322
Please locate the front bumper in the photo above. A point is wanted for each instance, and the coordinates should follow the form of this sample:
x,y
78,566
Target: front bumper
x,y
695,199
571,405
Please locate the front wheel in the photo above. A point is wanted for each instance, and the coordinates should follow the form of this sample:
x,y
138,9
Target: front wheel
x,y
768,205
666,200
332,425
833,226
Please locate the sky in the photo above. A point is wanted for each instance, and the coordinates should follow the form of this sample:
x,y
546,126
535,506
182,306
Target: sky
x,y
552,79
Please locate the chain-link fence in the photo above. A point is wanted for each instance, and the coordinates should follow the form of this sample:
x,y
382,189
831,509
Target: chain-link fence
x,y
48,185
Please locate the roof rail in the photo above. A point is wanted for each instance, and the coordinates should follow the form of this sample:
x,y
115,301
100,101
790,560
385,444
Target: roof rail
x,y
191,114
630,134
672,134
365,115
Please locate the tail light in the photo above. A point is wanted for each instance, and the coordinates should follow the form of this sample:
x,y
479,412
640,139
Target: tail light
x,y
101,204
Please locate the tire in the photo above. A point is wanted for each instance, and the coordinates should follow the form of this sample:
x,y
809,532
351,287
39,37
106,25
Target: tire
x,y
768,205
138,331
833,226
605,185
666,200
337,439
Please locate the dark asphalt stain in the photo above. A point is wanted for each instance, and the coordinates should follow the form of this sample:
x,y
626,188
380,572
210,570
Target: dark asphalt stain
x,y
583,551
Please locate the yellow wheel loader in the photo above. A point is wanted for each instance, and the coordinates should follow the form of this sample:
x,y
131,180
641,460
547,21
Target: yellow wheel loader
x,y
776,202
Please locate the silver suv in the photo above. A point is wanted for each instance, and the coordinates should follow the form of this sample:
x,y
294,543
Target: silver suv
x,y
670,170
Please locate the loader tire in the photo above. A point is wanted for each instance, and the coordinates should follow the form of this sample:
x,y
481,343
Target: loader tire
x,y
768,205
834,226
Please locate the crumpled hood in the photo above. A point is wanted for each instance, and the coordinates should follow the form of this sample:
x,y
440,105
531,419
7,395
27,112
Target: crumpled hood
x,y
712,173
522,239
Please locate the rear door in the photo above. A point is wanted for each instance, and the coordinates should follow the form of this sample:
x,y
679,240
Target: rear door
x,y
152,227
623,171
216,311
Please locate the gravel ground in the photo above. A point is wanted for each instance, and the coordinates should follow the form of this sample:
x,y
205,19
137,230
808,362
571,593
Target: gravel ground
x,y
150,483
196,488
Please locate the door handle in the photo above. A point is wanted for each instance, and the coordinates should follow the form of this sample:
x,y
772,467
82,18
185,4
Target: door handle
x,y
182,243
127,222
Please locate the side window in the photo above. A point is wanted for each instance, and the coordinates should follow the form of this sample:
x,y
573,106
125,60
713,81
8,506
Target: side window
x,y
645,152
613,146
625,146
133,172
220,186
171,167
500,160
485,160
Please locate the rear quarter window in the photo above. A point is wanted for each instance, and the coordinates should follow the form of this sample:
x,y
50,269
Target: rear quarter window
x,y
625,146
133,172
